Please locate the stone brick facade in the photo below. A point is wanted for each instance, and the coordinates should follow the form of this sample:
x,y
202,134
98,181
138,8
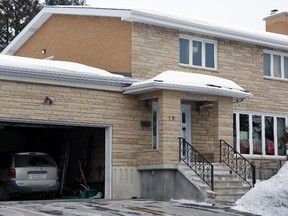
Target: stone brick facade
x,y
156,49
122,112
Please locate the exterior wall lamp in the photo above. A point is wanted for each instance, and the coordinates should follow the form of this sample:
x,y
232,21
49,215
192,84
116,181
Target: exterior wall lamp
x,y
47,101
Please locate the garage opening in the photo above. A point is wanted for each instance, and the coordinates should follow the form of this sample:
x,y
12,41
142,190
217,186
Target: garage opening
x,y
82,153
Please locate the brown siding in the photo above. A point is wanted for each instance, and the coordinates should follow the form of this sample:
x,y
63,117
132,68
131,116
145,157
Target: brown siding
x,y
95,41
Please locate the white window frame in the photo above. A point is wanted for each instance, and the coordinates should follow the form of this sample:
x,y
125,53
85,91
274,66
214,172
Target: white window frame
x,y
263,115
203,41
155,109
272,53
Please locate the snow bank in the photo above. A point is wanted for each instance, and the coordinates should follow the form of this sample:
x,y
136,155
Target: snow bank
x,y
267,198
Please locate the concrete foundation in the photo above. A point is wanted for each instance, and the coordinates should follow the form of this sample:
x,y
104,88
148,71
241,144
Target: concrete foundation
x,y
166,184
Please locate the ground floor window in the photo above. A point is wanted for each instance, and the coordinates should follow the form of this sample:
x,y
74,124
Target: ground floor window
x,y
154,125
259,134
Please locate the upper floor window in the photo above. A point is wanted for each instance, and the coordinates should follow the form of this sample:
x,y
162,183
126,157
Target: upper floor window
x,y
198,52
275,64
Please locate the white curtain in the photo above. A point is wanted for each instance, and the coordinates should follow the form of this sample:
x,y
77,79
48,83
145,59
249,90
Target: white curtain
x,y
277,65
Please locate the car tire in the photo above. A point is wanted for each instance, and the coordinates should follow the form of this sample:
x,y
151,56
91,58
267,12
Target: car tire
x,y
51,195
4,195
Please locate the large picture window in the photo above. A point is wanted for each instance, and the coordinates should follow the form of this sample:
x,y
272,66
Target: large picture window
x,y
198,52
275,64
259,134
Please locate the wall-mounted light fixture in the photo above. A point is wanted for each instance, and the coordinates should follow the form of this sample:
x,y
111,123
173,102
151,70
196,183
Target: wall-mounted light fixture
x,y
43,51
145,123
47,101
202,106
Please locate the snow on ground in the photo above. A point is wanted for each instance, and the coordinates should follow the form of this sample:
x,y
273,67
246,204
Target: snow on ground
x,y
193,202
267,198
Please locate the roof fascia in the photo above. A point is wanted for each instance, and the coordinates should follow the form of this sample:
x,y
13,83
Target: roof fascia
x,y
149,87
45,77
216,31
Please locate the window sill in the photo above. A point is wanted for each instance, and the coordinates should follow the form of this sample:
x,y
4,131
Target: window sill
x,y
198,67
267,157
275,78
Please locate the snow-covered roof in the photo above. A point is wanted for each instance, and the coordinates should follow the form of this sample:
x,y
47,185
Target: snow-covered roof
x,y
189,82
155,18
64,73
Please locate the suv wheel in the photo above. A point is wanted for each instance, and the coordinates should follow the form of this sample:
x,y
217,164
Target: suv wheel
x,y
4,195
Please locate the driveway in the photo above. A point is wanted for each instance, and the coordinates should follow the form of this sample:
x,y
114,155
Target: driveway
x,y
110,207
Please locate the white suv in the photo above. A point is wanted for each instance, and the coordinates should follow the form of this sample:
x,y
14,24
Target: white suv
x,y
27,172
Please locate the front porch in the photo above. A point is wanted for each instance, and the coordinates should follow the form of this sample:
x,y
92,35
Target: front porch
x,y
202,119
198,108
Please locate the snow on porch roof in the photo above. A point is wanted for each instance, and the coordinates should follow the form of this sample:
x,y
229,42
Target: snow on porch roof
x,y
189,82
64,73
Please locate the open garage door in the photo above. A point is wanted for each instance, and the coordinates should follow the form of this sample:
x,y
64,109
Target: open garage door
x,y
82,152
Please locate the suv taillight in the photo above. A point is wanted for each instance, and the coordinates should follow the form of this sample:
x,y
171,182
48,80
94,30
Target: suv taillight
x,y
58,172
12,173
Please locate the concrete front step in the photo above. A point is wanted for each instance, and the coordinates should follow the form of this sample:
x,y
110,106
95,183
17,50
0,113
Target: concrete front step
x,y
231,182
228,199
228,187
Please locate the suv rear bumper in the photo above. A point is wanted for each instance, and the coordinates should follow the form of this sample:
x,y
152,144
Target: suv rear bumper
x,y
13,188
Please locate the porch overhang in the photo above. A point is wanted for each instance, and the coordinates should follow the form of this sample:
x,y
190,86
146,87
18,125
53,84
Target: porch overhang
x,y
189,82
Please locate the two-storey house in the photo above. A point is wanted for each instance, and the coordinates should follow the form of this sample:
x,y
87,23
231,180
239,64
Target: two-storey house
x,y
201,81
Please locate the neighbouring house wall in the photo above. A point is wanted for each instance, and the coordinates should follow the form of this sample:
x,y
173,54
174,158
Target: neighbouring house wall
x,y
277,23
100,42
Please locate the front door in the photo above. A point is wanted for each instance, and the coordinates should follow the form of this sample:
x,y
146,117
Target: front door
x,y
186,122
185,129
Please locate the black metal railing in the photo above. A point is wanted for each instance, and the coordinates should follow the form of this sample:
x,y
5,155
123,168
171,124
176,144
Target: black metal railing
x,y
239,164
196,161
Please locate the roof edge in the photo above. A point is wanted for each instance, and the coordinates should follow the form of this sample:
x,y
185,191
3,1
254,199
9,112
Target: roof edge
x,y
149,87
259,38
45,77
